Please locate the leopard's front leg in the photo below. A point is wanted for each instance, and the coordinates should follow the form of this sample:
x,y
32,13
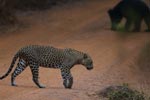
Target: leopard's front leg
x,y
67,78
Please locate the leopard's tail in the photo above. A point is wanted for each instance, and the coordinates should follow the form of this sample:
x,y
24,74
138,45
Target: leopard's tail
x,y
11,67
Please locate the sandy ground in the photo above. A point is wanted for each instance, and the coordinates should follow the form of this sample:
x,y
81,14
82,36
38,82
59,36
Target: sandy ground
x,y
84,26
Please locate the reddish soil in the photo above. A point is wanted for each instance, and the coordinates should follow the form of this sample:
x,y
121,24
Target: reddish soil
x,y
84,26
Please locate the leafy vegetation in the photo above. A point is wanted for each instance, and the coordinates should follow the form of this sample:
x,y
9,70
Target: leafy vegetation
x,y
122,93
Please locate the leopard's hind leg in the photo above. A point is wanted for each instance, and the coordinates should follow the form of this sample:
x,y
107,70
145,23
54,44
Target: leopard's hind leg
x,y
20,67
35,73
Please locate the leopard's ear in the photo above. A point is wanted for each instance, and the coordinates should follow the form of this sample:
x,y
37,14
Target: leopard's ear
x,y
85,56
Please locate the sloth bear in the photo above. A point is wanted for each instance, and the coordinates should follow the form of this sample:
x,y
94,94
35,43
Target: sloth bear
x,y
134,11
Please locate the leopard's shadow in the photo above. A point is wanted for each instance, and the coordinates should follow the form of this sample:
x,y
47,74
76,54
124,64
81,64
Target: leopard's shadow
x,y
47,87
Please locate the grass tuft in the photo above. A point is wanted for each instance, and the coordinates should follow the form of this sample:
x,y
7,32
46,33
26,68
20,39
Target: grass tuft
x,y
122,93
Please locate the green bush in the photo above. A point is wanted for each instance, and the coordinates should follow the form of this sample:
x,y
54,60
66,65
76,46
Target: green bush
x,y
125,94
122,93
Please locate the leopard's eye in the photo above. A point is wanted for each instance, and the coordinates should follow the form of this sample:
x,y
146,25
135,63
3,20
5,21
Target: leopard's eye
x,y
90,62
85,56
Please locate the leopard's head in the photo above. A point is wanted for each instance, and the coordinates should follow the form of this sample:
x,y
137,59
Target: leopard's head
x,y
87,61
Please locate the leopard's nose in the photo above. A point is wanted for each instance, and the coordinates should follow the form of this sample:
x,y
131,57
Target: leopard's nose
x,y
90,68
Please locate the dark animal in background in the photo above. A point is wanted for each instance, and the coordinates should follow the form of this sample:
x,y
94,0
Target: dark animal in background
x,y
134,11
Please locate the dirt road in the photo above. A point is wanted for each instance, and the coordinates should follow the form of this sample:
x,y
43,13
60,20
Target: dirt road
x,y
83,26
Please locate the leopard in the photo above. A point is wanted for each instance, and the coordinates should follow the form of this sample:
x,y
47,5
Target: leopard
x,y
35,56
